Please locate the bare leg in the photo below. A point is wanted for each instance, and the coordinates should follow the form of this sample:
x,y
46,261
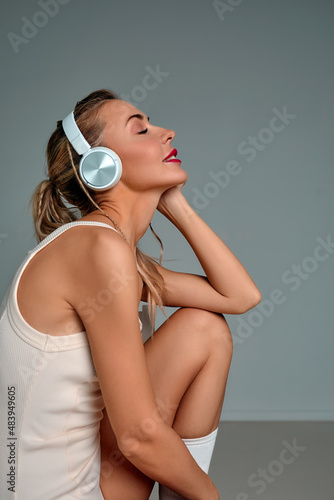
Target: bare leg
x,y
188,359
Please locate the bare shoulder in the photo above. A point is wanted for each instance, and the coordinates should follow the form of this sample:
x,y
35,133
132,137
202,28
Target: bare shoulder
x,y
86,234
99,249
103,263
96,238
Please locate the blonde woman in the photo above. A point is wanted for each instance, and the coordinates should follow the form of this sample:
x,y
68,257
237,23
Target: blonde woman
x,y
93,411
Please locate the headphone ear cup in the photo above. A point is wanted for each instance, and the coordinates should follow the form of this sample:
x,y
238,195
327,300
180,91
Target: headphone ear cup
x,y
100,168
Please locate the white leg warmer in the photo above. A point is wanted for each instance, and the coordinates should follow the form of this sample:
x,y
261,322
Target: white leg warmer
x,y
201,449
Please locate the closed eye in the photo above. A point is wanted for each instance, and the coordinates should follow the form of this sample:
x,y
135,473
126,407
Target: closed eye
x,y
143,131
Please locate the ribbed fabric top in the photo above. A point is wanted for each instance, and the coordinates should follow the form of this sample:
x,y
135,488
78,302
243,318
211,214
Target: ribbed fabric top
x,y
50,404
40,340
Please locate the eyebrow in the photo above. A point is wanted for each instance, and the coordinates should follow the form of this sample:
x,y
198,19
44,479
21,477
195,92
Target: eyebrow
x,y
138,115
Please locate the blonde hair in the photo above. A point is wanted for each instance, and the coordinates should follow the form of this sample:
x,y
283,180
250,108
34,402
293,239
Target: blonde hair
x,y
48,201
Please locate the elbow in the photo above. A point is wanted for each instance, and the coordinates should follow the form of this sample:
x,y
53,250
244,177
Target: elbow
x,y
249,302
129,446
136,444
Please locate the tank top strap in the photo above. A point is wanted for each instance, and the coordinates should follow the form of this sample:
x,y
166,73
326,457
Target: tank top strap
x,y
64,228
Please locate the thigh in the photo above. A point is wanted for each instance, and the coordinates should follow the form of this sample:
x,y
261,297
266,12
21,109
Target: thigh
x,y
176,353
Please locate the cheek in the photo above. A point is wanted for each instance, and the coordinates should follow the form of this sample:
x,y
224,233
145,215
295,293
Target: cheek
x,y
143,166
138,176
143,149
140,158
147,153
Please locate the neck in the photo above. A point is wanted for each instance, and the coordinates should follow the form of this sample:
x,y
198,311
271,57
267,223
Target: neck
x,y
132,213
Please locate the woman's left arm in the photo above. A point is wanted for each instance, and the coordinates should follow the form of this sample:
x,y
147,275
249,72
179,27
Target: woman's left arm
x,y
227,287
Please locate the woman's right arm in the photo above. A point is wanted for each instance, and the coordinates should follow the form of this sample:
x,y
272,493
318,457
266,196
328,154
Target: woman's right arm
x,y
107,298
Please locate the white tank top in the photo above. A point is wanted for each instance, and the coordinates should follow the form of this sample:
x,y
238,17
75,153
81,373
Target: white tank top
x,y
50,406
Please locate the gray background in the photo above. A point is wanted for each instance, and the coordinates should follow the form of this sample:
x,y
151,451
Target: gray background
x,y
223,77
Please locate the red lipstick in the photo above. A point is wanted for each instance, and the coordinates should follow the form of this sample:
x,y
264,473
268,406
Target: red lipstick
x,y
172,160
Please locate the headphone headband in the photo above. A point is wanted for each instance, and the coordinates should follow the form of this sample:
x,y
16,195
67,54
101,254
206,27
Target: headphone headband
x,y
74,135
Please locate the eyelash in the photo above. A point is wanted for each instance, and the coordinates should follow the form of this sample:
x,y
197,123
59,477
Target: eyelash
x,y
143,131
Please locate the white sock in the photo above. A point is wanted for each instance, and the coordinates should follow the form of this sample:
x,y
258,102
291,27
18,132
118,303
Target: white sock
x,y
201,449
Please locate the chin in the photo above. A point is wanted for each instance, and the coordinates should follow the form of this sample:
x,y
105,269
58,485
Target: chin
x,y
180,175
176,181
163,180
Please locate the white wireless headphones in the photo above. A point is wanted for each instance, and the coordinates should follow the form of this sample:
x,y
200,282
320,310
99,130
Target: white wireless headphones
x,y
100,168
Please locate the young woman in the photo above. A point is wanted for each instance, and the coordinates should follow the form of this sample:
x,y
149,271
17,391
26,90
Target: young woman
x,y
93,412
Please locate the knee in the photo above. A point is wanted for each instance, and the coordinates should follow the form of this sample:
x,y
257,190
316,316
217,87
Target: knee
x,y
212,330
217,332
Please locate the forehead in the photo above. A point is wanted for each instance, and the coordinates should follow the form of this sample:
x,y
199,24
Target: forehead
x,y
116,112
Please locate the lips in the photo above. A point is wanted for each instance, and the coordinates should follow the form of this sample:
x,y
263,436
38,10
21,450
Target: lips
x,y
171,157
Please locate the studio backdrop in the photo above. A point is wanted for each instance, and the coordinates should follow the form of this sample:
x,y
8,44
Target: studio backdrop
x,y
248,88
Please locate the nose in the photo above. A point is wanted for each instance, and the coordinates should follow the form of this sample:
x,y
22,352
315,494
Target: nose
x,y
167,135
